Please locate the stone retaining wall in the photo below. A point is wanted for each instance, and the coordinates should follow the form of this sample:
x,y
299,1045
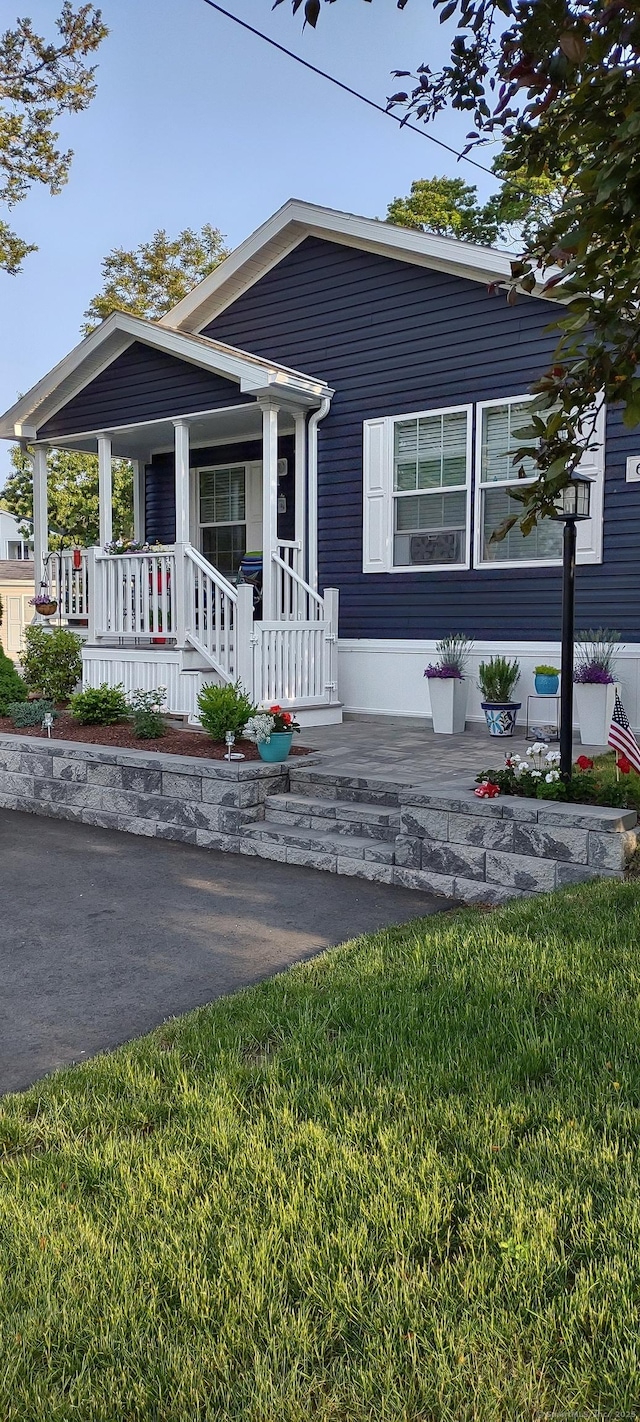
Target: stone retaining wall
x,y
490,850
451,843
174,797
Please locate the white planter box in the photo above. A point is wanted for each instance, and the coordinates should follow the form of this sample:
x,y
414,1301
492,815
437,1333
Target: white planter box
x,y
595,704
448,704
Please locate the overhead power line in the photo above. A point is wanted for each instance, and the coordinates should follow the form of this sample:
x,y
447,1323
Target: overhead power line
x,y
403,123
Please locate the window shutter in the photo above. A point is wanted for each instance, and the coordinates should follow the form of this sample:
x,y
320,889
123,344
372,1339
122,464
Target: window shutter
x,y
377,497
589,533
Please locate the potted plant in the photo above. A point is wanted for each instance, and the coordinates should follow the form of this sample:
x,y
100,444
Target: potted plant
x,y
595,684
546,680
448,686
272,732
497,679
44,603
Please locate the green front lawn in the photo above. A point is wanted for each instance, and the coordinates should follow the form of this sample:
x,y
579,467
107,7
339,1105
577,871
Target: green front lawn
x,y
399,1182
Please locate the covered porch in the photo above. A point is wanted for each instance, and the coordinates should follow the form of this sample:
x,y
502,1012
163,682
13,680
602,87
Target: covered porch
x,y
222,581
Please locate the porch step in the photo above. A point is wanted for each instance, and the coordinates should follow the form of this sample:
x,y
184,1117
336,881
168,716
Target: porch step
x,y
336,817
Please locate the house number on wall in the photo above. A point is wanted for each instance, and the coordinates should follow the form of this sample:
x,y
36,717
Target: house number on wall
x,y
633,469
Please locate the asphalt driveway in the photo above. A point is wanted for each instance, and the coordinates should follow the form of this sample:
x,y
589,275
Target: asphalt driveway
x,y
104,935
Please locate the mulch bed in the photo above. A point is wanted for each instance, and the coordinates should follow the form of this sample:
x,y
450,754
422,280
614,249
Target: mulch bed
x,y
174,742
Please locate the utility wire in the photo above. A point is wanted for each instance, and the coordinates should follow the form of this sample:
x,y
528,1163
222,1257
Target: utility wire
x,y
403,123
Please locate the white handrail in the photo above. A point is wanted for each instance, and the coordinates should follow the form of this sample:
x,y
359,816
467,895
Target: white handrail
x,y
211,614
296,601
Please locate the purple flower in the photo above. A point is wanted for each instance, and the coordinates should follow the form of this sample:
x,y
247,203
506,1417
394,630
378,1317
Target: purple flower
x,y
592,673
443,671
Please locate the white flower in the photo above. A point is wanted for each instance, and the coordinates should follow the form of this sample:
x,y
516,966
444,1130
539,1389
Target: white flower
x,y
259,728
553,758
524,765
551,776
536,774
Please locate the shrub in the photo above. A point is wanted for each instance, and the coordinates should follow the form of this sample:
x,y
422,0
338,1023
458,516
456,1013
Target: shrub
x,y
12,687
147,708
99,705
546,671
51,661
30,713
497,679
224,708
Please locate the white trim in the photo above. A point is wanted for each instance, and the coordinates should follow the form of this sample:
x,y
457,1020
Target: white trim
x,y
82,364
295,221
105,490
386,493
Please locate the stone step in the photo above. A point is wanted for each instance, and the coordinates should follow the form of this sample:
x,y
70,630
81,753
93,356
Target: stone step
x,y
348,817
319,842
328,785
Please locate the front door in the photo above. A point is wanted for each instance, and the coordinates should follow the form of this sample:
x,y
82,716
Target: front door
x,y
230,514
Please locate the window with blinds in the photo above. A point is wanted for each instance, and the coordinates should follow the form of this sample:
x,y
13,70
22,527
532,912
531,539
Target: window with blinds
x,y
499,438
430,477
223,530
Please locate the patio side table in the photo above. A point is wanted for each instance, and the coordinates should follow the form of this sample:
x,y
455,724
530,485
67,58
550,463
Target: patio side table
x,y
548,732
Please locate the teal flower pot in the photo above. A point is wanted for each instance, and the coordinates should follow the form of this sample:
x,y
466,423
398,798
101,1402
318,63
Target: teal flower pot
x,y
546,685
277,747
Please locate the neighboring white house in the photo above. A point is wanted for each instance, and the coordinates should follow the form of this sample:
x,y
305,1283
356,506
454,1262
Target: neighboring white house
x,y
12,542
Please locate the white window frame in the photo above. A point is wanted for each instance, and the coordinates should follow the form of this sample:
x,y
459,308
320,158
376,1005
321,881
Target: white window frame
x,y
222,523
387,494
589,532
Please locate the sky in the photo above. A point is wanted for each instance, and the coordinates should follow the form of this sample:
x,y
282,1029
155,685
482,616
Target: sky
x,y
195,121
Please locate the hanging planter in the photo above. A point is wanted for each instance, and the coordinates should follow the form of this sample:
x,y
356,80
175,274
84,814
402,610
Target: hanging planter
x,y
44,604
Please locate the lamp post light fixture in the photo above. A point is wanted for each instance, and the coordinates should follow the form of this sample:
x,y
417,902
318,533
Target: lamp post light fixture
x,y
571,507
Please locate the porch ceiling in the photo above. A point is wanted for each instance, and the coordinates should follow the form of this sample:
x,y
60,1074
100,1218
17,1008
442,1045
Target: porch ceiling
x,y
140,441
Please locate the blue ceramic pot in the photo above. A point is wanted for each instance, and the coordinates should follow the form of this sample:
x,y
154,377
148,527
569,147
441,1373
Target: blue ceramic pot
x,y
501,716
277,747
546,685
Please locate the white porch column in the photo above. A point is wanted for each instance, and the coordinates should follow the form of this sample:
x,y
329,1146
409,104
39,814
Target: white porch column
x,y
40,512
269,505
105,495
138,499
181,430
300,496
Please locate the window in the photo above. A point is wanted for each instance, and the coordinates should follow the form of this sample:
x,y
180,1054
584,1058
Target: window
x,y
222,517
499,423
416,485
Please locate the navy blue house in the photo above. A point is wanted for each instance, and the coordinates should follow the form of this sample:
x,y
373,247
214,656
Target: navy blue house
x,y
338,399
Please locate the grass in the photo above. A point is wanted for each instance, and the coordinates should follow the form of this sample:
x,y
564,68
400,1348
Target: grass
x,y
397,1182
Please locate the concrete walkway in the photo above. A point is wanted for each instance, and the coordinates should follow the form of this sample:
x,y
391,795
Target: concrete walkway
x,y
105,935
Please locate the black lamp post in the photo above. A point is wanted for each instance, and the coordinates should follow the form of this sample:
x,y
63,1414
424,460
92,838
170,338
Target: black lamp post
x,y
572,507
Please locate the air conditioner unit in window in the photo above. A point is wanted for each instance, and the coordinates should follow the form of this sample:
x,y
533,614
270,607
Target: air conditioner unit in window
x,y
442,546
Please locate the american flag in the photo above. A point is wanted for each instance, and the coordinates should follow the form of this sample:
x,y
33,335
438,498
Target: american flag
x,y
621,736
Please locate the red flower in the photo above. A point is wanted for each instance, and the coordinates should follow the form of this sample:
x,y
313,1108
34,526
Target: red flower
x,y
623,764
487,790
286,716
584,763
274,710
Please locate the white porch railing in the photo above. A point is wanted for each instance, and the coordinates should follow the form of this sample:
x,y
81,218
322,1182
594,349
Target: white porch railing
x,y
212,614
177,597
295,600
69,584
296,662
134,595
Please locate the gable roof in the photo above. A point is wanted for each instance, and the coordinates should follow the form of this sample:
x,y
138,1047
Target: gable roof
x,y
291,224
114,336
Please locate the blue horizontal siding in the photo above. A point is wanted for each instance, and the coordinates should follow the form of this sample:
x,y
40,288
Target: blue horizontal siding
x,y
142,384
392,338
